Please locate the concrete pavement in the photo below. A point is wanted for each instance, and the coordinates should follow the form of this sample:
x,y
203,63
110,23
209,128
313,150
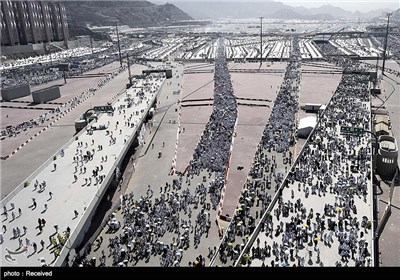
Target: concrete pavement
x,y
69,195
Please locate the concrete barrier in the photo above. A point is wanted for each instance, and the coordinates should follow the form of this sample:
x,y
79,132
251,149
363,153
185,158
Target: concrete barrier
x,y
48,94
9,94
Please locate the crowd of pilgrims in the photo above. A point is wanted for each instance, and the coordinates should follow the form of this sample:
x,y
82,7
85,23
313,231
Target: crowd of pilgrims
x,y
274,149
336,171
329,167
212,150
165,226
331,54
40,73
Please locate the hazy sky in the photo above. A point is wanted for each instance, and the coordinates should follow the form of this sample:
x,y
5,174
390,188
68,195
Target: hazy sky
x,y
350,5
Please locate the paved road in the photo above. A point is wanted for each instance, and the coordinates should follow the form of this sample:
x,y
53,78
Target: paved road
x,y
69,194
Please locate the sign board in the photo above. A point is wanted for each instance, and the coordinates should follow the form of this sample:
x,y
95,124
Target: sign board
x,y
351,130
105,108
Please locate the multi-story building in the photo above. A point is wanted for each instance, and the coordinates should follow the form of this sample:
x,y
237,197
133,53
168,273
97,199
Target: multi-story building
x,y
31,22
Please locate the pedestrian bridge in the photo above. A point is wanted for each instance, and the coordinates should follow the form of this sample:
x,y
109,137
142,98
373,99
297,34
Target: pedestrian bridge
x,y
70,209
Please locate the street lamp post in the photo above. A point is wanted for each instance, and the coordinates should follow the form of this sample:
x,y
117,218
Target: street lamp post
x,y
119,46
261,44
91,44
129,69
385,45
376,146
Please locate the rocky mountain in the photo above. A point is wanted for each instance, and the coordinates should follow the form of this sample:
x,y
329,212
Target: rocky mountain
x,y
238,10
336,12
291,14
132,13
285,14
267,9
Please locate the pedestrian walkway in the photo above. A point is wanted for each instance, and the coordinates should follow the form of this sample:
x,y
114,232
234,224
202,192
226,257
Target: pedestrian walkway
x,y
65,190
271,161
157,224
323,215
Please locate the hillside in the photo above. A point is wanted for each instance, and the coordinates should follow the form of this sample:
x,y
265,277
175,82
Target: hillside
x,y
267,9
132,13
237,10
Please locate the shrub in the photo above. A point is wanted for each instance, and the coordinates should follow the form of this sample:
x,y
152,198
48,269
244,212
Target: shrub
x,y
26,183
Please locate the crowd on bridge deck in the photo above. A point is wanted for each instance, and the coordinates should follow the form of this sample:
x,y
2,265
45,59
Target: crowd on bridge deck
x,y
147,220
273,150
27,237
160,224
43,193
44,68
335,170
168,222
336,56
315,177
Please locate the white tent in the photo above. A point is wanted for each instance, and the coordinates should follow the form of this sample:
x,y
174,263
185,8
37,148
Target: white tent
x,y
306,125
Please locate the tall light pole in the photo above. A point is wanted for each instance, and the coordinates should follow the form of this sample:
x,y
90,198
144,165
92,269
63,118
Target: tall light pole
x,y
385,45
91,44
129,69
119,47
261,46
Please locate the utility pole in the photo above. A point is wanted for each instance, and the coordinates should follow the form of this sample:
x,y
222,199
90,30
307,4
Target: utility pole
x,y
48,48
129,69
385,45
65,76
119,47
91,44
261,45
51,58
